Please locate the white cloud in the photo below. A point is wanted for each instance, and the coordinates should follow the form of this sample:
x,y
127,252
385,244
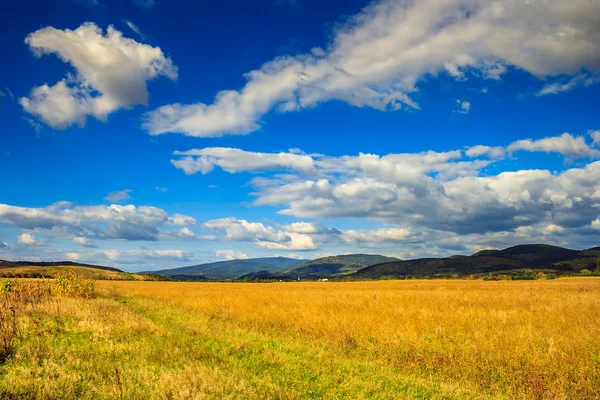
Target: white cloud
x,y
236,160
565,86
185,233
552,229
376,237
496,152
36,126
72,256
231,255
595,135
557,87
180,220
377,59
439,191
94,222
134,28
111,73
85,242
161,189
262,235
463,107
27,239
565,144
118,196
596,224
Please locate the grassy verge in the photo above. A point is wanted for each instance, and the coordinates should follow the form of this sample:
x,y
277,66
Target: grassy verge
x,y
193,340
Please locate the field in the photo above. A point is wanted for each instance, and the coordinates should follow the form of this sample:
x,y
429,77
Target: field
x,y
386,339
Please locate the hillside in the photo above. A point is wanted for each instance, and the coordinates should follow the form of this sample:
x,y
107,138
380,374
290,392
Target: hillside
x,y
325,267
534,256
231,269
29,269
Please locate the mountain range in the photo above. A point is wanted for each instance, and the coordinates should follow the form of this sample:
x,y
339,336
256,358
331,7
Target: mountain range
x,y
226,270
511,261
325,267
537,257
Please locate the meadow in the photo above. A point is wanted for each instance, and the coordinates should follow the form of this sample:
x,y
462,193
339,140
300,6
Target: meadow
x,y
440,339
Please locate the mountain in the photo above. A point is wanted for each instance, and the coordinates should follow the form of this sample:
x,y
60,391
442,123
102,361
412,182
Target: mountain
x,y
550,259
231,269
34,269
324,267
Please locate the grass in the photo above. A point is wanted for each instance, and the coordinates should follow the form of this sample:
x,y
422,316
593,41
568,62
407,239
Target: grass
x,y
389,339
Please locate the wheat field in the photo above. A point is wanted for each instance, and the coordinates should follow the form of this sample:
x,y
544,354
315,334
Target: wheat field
x,y
388,339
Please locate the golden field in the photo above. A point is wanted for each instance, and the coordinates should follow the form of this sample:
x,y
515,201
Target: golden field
x,y
387,339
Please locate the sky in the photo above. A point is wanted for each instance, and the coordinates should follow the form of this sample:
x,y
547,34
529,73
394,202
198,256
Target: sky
x,y
150,134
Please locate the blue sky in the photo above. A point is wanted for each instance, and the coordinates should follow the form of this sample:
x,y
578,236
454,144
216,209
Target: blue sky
x,y
154,134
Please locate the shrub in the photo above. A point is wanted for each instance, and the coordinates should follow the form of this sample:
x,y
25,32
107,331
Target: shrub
x,y
15,297
585,272
73,285
6,286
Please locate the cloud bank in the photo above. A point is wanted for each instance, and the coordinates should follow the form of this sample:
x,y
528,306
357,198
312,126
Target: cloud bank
x,y
378,57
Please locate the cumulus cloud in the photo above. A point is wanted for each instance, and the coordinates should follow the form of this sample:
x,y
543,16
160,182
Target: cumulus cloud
x,y
85,242
184,233
111,72
93,222
463,107
118,196
377,237
73,256
566,144
595,135
269,237
496,152
231,255
27,239
180,220
436,191
236,160
378,57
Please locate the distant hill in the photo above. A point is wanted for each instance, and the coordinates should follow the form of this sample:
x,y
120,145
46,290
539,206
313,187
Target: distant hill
x,y
324,267
231,269
33,269
8,264
531,256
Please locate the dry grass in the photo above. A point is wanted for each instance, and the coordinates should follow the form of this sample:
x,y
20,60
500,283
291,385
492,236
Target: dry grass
x,y
392,339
